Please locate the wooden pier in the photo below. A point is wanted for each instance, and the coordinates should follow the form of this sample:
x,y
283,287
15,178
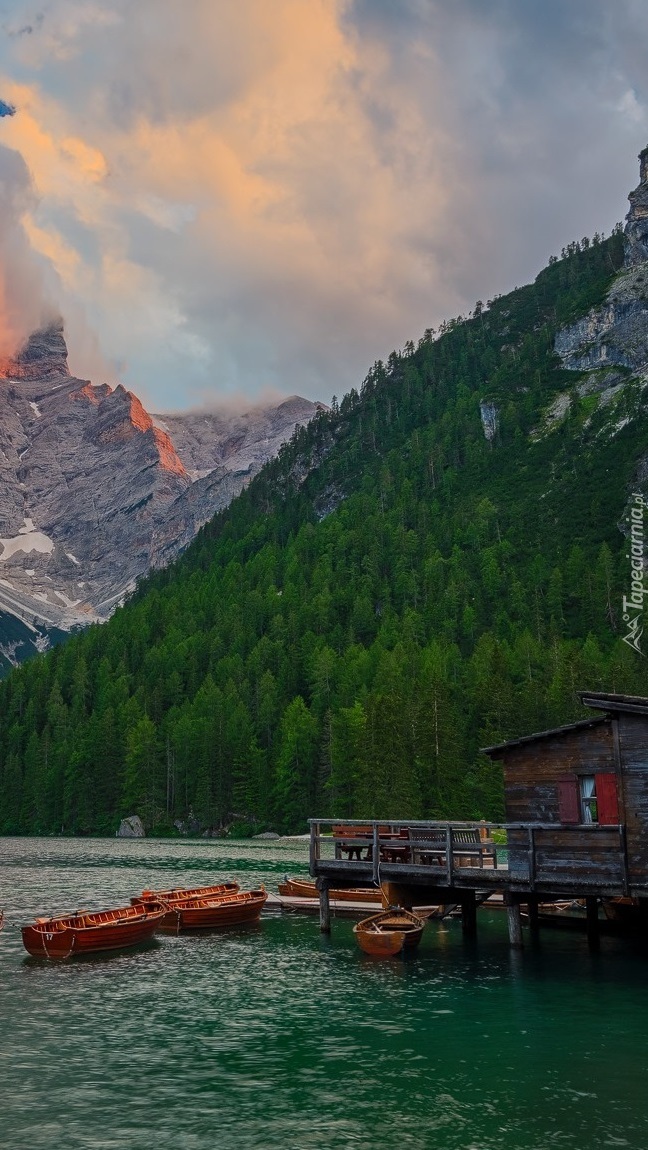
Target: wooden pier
x,y
577,809
463,864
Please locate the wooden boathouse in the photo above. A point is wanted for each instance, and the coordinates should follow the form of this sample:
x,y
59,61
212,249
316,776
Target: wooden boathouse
x,y
576,828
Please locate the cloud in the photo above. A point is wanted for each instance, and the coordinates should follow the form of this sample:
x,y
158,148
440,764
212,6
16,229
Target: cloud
x,y
23,298
238,195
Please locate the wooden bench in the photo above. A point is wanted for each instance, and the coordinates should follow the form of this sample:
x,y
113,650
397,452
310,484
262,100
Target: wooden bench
x,y
430,846
468,843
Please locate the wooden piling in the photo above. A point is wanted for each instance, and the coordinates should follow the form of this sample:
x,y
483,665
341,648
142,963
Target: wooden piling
x,y
514,923
469,914
395,894
534,921
325,907
591,911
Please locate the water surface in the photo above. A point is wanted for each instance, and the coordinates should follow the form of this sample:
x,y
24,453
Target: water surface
x,y
275,1036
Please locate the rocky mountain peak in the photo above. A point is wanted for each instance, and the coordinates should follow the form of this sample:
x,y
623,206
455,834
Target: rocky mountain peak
x,y
295,404
122,417
141,421
241,442
43,356
636,230
94,492
616,333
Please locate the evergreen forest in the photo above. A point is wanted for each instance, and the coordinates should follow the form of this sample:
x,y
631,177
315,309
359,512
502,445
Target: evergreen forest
x,y
393,592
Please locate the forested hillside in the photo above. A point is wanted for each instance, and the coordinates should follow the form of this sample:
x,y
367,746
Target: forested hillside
x,y
394,591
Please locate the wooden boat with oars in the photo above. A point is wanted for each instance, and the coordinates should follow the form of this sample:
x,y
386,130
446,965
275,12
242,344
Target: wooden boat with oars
x,y
90,932
206,913
389,932
302,888
629,914
177,894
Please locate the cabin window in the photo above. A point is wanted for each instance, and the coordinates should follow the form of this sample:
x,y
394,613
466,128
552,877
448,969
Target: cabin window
x,y
588,799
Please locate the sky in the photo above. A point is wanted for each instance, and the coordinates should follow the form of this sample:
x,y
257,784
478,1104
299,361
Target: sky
x,y
238,199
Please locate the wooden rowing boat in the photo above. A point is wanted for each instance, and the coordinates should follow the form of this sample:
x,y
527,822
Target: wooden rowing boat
x,y
302,888
387,933
177,894
379,944
206,913
89,932
628,913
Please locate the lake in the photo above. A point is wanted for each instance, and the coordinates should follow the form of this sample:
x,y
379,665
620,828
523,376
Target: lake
x,y
274,1035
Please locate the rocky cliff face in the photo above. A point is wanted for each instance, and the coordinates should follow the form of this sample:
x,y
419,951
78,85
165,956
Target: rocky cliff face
x,y
616,334
94,492
609,345
239,442
636,231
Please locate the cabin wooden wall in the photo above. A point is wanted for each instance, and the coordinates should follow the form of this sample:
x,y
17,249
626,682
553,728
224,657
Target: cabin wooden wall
x,y
633,753
532,770
532,773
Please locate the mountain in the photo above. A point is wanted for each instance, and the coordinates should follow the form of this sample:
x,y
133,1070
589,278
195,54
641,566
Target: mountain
x,y
94,492
241,443
437,563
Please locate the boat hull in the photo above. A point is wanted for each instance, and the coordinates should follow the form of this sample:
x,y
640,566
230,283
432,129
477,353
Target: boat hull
x,y
92,933
381,945
178,894
301,888
389,932
208,914
632,911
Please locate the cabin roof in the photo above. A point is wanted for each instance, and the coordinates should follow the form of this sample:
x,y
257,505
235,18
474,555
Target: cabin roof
x,y
583,724
602,702
598,700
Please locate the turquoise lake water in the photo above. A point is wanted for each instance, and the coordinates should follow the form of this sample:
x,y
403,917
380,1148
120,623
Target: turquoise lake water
x,y
276,1036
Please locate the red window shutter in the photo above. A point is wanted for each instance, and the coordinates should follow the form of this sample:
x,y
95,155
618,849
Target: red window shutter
x,y
568,803
606,798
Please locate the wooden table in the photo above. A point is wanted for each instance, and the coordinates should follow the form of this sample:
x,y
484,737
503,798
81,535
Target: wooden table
x,y
396,851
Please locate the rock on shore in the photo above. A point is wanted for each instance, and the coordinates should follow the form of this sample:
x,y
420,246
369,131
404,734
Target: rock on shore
x,y
131,827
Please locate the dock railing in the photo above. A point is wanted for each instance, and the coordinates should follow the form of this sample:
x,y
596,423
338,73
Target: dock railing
x,y
442,846
531,854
